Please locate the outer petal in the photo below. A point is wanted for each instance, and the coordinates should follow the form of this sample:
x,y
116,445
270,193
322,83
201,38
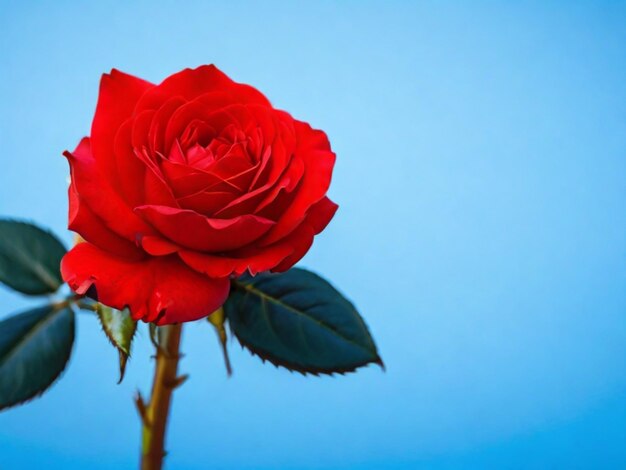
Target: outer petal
x,y
119,92
161,290
320,214
277,257
191,83
197,232
83,221
314,149
94,191
300,246
252,259
215,265
158,246
317,218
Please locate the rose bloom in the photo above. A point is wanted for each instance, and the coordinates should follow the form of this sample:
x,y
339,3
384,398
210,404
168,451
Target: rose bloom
x,y
186,184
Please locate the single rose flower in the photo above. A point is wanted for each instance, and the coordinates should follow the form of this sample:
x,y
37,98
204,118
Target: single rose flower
x,y
185,184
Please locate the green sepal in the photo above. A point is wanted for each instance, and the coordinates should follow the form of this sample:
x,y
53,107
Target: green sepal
x,y
120,328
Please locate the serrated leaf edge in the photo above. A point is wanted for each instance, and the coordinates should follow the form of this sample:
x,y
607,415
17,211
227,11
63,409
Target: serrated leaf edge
x,y
291,367
123,355
250,289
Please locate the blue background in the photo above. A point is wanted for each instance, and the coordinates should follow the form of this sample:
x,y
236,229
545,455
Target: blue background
x,y
481,175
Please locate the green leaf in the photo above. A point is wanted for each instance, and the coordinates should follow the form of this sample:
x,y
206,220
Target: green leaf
x,y
30,258
34,349
120,329
298,320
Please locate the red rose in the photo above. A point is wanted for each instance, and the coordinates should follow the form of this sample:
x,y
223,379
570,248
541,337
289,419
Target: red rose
x,y
185,184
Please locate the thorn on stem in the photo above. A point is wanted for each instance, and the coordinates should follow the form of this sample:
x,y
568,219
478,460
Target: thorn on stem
x,y
177,382
142,409
229,368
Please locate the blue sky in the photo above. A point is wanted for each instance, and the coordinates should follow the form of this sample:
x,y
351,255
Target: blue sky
x,y
481,181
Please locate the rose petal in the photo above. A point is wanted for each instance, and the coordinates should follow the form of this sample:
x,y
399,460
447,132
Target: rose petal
x,y
254,201
84,221
162,290
278,171
226,265
95,191
185,180
191,83
317,217
212,118
204,202
158,246
156,135
119,93
313,148
252,259
279,136
301,245
130,168
197,232
320,214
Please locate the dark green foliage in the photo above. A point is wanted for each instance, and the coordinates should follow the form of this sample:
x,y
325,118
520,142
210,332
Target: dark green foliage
x,y
34,349
120,328
298,320
29,258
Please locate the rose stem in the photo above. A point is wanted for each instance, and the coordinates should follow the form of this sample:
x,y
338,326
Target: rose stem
x,y
154,414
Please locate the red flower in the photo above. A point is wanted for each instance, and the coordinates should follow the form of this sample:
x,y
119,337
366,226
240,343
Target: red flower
x,y
184,184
